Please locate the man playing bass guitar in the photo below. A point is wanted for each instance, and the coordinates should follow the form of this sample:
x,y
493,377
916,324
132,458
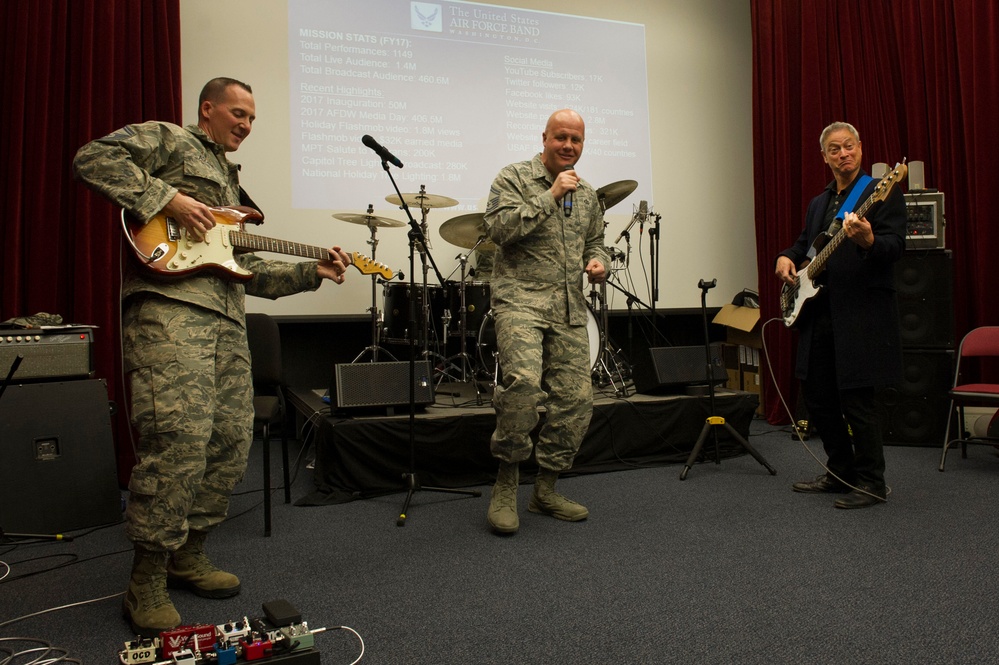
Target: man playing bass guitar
x,y
850,342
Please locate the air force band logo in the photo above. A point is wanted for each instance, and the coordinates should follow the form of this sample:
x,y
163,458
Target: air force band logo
x,y
426,16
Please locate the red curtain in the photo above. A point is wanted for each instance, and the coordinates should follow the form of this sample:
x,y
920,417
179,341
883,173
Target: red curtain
x,y
72,71
919,80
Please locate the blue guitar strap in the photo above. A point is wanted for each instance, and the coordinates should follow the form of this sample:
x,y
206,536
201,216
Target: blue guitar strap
x,y
847,206
851,200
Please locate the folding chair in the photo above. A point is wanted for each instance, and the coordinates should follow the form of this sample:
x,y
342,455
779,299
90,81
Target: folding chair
x,y
979,343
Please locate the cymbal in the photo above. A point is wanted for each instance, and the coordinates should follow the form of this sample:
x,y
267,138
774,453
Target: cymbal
x,y
614,193
465,231
423,200
367,220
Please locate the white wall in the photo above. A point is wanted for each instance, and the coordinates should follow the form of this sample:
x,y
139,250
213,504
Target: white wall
x,y
700,85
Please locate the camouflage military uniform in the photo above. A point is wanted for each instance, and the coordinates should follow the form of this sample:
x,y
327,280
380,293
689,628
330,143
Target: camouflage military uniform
x,y
184,340
540,313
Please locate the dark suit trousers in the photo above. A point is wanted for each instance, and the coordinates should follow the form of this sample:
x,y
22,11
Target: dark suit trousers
x,y
857,457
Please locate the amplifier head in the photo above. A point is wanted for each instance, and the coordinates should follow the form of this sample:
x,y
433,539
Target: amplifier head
x,y
924,226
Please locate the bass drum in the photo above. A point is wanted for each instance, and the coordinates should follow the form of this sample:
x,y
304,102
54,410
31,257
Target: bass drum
x,y
396,311
487,342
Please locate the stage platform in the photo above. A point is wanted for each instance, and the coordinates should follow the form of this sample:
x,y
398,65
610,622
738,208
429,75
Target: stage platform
x,y
363,455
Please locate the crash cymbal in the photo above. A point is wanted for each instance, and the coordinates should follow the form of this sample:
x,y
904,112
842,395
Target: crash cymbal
x,y
614,193
422,200
465,231
367,220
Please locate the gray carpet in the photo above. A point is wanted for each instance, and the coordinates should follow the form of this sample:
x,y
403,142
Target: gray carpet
x,y
728,566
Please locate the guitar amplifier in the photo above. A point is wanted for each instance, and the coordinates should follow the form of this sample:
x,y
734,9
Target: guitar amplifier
x,y
924,226
47,353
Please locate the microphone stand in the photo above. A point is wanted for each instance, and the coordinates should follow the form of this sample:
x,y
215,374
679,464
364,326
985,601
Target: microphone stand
x,y
412,482
713,422
654,269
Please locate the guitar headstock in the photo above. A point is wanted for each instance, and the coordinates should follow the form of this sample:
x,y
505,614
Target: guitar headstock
x,y
369,266
890,179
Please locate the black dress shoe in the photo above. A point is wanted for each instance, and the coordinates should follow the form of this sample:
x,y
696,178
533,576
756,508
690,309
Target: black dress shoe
x,y
824,484
855,499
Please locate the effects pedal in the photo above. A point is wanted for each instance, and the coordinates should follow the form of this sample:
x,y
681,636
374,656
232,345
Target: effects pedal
x,y
280,637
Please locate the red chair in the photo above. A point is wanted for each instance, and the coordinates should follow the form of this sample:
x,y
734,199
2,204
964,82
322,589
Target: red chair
x,y
979,343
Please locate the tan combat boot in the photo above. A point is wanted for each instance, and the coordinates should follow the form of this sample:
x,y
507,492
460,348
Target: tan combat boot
x,y
190,568
547,501
147,604
502,513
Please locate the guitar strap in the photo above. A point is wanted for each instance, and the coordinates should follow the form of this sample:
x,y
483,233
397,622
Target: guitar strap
x,y
245,200
855,193
847,206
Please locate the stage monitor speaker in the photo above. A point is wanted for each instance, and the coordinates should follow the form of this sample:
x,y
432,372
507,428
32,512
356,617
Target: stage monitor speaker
x,y
914,413
664,369
917,176
380,384
58,460
925,284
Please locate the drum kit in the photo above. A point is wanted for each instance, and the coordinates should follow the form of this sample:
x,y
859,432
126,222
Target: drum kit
x,y
464,301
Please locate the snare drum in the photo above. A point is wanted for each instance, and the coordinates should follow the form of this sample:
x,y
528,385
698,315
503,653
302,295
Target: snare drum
x,y
396,310
476,306
487,341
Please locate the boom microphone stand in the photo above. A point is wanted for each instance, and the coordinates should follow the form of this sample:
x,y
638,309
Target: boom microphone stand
x,y
416,235
713,422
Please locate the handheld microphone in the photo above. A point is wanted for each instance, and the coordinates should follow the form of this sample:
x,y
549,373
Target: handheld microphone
x,y
567,199
380,150
642,214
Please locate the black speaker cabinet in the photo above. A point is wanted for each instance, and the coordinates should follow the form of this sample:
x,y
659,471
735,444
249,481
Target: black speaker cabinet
x,y
381,384
57,459
664,369
915,412
925,284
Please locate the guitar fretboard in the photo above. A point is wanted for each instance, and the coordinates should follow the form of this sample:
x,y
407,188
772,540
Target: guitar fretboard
x,y
243,240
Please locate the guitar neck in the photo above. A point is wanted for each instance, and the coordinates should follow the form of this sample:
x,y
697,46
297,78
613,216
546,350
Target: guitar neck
x,y
249,241
818,264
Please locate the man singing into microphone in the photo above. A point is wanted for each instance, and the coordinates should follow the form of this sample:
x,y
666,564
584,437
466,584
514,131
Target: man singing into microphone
x,y
548,229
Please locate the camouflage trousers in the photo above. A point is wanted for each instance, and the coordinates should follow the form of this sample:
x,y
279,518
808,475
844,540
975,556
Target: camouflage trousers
x,y
541,363
192,404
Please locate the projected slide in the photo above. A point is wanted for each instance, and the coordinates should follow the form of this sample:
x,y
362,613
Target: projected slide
x,y
455,91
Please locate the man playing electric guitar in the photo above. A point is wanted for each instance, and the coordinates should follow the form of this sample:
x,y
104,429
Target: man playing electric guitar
x,y
850,342
184,345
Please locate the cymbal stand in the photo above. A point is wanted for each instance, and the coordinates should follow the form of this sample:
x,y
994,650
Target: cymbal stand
x,y
424,248
463,358
374,349
607,368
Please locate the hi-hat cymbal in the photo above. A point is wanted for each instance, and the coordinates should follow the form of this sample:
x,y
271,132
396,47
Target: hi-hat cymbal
x,y
422,200
466,230
612,194
367,220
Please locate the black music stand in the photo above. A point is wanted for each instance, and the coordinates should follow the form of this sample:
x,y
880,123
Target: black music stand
x,y
412,482
713,422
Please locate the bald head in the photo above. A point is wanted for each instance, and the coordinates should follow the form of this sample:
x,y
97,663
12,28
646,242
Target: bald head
x,y
563,140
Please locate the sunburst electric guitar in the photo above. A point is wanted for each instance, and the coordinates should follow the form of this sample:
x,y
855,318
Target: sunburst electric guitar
x,y
165,248
794,296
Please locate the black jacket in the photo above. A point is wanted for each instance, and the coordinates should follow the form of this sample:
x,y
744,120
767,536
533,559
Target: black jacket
x,y
860,286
